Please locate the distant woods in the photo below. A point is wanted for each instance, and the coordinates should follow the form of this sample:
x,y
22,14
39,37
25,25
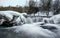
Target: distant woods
x,y
19,9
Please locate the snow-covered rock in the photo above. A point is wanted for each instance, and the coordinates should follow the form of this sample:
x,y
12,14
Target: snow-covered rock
x,y
46,20
55,19
9,15
24,13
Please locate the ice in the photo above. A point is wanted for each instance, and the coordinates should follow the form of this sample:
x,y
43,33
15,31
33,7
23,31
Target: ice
x,y
24,13
29,20
21,20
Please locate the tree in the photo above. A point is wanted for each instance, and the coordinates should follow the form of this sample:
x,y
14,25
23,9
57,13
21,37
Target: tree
x,y
56,7
46,5
32,7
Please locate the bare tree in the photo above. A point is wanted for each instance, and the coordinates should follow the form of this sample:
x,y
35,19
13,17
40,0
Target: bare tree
x,y
46,5
32,7
56,7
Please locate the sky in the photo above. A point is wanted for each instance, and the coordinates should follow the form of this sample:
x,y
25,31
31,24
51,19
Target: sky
x,y
13,2
6,3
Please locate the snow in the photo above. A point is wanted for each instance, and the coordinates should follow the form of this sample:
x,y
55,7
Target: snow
x,y
56,31
20,18
38,23
46,20
43,13
26,27
55,19
29,20
32,31
9,15
1,21
38,14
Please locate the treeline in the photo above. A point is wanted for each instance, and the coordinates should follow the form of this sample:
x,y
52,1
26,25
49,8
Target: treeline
x,y
19,9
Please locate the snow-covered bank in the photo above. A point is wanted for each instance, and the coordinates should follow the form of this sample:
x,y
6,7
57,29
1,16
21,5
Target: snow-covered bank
x,y
55,19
